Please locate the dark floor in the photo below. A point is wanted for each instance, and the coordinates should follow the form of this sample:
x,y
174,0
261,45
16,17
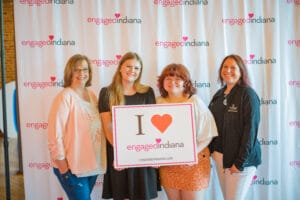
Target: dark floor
x,y
16,178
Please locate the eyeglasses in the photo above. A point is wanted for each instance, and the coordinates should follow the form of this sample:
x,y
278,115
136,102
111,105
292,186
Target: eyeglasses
x,y
78,70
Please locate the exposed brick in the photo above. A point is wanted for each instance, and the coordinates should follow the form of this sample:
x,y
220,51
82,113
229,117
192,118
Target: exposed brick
x,y
9,41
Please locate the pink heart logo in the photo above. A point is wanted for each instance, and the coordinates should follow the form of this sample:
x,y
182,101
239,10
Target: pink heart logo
x,y
118,57
161,122
157,140
117,15
59,198
52,78
254,177
51,37
185,38
250,15
252,56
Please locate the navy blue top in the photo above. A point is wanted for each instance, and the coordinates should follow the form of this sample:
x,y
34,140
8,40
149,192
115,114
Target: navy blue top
x,y
237,124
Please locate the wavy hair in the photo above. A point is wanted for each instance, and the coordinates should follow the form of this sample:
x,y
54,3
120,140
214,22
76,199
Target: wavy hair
x,y
70,67
178,70
116,90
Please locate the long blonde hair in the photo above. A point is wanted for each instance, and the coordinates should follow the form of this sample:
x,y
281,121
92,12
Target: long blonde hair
x,y
116,90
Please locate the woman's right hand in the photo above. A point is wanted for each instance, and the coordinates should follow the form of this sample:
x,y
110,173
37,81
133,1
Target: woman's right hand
x,y
62,166
63,171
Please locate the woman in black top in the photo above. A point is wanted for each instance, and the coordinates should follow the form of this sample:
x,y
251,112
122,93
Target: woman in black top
x,y
130,183
236,108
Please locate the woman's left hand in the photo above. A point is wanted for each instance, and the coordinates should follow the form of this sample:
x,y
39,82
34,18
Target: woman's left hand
x,y
233,169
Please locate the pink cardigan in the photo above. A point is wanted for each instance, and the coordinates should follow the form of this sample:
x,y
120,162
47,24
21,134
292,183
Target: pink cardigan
x,y
69,137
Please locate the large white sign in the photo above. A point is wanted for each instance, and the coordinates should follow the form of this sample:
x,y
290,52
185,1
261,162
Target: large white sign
x,y
152,135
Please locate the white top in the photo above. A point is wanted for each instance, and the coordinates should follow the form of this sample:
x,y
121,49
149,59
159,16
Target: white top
x,y
205,124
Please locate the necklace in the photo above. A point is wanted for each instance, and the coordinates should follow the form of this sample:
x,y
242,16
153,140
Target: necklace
x,y
225,100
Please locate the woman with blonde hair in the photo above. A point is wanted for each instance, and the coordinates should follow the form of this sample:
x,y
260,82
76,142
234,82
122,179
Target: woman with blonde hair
x,y
126,89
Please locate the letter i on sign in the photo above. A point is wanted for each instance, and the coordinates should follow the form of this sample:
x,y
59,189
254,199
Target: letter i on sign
x,y
140,131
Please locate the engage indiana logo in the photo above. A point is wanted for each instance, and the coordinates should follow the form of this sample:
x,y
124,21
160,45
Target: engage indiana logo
x,y
52,82
259,60
250,19
106,62
116,19
157,144
198,84
39,165
264,181
268,142
46,2
266,102
37,125
184,42
174,3
50,41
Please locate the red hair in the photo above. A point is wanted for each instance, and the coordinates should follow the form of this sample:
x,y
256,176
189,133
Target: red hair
x,y
178,70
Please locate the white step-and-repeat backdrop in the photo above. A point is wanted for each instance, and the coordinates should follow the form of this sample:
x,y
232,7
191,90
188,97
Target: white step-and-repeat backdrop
x,y
197,33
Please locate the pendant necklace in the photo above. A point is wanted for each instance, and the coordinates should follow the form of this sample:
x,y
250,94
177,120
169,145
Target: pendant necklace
x,y
225,100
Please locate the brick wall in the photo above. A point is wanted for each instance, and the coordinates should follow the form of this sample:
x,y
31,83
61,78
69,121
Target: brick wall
x,y
9,41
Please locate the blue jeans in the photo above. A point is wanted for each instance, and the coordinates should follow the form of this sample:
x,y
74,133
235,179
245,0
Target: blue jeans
x,y
77,188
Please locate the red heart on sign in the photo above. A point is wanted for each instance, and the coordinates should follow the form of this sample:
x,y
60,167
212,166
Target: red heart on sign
x,y
117,15
161,122
51,37
52,78
118,57
250,15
